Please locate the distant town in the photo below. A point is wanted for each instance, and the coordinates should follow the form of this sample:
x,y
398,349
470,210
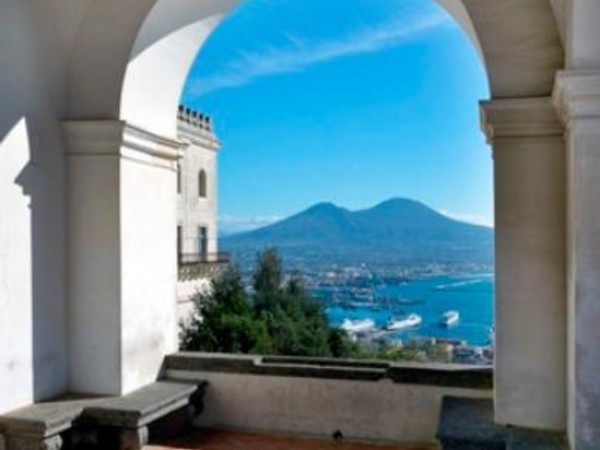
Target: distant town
x,y
370,305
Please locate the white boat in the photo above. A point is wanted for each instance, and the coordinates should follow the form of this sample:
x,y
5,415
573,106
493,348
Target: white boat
x,y
492,335
357,326
413,320
450,318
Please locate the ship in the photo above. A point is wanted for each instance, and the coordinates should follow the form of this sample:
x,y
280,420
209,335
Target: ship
x,y
357,326
449,318
412,320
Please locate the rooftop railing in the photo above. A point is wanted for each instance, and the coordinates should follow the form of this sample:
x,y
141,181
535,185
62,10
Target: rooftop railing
x,y
194,118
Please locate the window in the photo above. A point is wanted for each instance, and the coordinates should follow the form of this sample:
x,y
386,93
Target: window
x,y
202,184
179,178
179,241
203,241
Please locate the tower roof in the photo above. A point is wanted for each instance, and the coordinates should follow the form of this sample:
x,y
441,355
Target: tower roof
x,y
194,118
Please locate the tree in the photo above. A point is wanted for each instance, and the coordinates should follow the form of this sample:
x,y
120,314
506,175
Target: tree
x,y
267,279
224,320
280,318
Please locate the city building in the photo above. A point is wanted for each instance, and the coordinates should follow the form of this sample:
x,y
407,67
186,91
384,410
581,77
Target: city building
x,y
197,234
89,147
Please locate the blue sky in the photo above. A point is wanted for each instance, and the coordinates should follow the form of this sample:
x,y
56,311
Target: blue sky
x,y
352,102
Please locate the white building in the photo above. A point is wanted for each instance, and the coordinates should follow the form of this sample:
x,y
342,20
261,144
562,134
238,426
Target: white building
x,y
197,233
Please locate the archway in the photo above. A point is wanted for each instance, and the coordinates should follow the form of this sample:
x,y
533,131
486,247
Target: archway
x,y
154,45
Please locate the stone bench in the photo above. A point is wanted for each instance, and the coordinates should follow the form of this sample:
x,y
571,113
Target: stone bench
x,y
124,422
162,409
40,426
468,424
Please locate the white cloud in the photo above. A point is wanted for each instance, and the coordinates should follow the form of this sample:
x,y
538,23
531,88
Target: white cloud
x,y
233,224
298,53
473,218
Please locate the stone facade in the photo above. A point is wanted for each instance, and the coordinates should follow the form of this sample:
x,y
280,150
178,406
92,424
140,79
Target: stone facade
x,y
197,234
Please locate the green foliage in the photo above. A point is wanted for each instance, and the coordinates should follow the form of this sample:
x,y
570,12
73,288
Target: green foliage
x,y
224,321
279,318
268,280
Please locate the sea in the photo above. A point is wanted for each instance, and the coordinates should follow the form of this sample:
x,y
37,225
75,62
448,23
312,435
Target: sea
x,y
472,295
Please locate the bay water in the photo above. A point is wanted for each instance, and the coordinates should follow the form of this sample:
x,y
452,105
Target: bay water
x,y
472,295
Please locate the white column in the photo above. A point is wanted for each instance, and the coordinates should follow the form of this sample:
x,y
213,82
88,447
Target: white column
x,y
529,170
583,34
577,96
122,254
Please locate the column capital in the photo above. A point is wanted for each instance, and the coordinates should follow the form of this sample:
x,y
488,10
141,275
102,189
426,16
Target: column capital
x,y
515,118
120,139
577,95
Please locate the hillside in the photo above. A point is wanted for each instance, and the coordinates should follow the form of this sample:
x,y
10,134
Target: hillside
x,y
395,231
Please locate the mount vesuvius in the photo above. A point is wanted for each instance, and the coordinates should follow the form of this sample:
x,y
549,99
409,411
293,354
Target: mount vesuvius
x,y
398,231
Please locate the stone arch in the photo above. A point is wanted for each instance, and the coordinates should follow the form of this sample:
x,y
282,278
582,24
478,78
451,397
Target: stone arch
x,y
166,47
152,44
124,53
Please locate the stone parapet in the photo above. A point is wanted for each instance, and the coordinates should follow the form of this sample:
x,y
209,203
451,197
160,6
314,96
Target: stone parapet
x,y
196,127
471,377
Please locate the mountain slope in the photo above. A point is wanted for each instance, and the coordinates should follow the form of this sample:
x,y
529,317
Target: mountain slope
x,y
395,231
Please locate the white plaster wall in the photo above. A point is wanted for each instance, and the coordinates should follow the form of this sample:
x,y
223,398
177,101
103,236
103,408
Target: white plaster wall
x,y
148,235
192,210
33,357
16,351
185,310
94,274
186,291
584,284
373,411
156,77
521,44
583,34
581,114
530,202
530,283
577,97
161,58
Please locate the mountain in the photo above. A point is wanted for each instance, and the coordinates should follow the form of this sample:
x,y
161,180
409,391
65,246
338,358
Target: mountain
x,y
393,232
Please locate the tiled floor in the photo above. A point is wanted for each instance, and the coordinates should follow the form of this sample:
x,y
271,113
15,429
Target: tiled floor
x,y
220,440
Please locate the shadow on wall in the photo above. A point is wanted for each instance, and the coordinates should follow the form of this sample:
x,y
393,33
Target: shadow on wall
x,y
32,208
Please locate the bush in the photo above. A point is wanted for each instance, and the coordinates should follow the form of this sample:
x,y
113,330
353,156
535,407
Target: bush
x,y
278,318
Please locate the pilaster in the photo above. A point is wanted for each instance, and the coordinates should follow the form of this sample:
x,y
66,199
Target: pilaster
x,y
577,97
527,140
583,34
121,254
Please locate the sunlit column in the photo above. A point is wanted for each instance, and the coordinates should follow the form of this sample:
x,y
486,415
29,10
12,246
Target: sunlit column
x,y
529,171
122,254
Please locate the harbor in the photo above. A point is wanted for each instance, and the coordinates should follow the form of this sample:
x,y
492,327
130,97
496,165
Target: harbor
x,y
450,311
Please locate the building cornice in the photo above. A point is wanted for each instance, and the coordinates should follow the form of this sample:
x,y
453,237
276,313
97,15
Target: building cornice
x,y
201,138
116,138
577,96
520,118
155,145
